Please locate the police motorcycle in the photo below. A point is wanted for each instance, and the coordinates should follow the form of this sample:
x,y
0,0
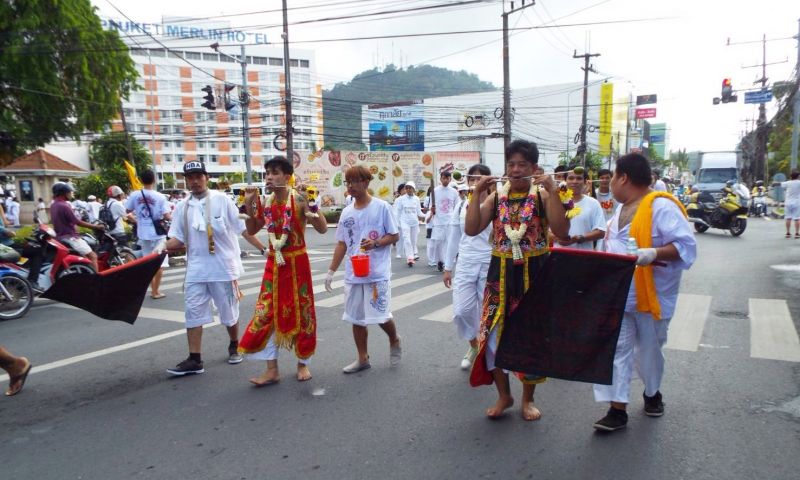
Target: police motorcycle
x,y
758,200
727,214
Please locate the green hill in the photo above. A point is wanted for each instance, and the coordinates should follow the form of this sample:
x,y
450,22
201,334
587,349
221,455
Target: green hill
x,y
341,106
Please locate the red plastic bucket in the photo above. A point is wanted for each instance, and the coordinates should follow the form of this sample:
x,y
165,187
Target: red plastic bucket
x,y
360,265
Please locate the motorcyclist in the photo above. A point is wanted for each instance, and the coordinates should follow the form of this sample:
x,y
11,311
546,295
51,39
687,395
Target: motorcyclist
x,y
65,222
758,198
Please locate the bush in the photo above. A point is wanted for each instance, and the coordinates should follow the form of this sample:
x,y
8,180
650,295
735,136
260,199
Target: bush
x,y
331,216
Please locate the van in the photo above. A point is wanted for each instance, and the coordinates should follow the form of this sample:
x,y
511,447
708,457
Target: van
x,y
714,169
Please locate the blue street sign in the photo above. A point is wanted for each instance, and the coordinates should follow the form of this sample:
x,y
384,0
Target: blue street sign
x,y
762,96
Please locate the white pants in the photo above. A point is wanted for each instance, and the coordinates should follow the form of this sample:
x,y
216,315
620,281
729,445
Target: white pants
x,y
436,244
468,285
408,243
270,352
367,303
640,343
198,297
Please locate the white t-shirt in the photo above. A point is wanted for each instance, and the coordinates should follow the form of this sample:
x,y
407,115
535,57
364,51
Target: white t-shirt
x,y
225,263
607,203
372,222
660,186
792,190
446,199
408,209
669,226
473,250
118,211
590,218
144,224
94,210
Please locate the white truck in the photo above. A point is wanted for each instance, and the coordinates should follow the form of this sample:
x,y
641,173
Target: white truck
x,y
712,169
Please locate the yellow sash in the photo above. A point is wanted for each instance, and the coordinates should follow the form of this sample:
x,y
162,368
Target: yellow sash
x,y
642,231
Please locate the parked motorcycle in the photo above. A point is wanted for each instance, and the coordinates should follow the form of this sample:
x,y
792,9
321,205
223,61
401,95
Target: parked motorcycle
x,y
111,251
728,214
16,292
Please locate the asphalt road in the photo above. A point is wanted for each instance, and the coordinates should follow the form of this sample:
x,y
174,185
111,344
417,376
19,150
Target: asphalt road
x,y
104,407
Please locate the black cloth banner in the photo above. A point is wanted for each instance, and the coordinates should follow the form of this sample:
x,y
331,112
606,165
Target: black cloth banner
x,y
568,322
114,294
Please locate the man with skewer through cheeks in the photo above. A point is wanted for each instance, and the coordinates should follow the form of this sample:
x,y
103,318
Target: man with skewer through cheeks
x,y
520,212
284,316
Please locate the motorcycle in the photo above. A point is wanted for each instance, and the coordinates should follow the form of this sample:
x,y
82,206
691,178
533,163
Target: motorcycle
x,y
758,204
57,260
16,292
111,251
728,214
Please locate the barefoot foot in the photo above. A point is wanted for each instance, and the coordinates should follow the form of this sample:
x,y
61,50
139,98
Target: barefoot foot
x,y
530,412
499,408
303,373
269,377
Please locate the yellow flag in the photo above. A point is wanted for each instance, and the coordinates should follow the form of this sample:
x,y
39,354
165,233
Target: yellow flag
x,y
135,183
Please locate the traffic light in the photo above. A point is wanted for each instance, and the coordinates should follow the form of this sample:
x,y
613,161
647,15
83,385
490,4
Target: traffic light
x,y
226,97
209,98
727,92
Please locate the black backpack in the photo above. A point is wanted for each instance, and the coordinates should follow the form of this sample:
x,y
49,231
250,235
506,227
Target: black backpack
x,y
105,216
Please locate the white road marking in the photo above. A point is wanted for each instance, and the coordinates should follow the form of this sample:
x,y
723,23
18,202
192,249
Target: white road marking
x,y
418,296
688,322
106,351
444,315
772,332
339,299
315,287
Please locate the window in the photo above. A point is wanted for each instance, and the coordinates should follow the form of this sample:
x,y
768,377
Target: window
x,y
276,62
235,158
142,128
137,98
277,118
201,130
168,71
211,130
293,62
192,55
234,145
166,144
177,129
260,60
178,144
304,63
201,158
139,51
266,145
213,158
303,92
179,158
211,57
212,145
158,52
174,54
301,77
177,115
201,145
167,158
128,112
225,58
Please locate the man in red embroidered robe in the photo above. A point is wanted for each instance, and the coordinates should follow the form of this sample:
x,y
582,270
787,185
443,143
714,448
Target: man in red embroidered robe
x,y
284,316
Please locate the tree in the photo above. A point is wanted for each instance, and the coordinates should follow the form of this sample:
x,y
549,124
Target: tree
x,y
169,180
594,160
107,155
62,74
680,159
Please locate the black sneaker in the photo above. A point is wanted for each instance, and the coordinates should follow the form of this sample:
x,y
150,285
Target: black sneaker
x,y
615,419
440,266
653,406
187,367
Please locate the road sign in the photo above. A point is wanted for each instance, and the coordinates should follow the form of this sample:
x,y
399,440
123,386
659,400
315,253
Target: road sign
x,y
758,96
646,99
645,113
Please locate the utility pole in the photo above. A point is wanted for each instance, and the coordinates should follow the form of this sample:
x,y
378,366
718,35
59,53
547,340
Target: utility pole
x,y
152,124
586,69
245,102
127,135
287,101
796,108
506,73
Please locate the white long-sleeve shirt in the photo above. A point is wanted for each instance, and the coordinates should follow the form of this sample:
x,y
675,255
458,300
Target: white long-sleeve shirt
x,y
408,210
446,199
475,249
669,227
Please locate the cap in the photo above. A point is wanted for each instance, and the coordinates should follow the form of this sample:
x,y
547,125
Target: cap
x,y
195,166
463,187
91,197
114,191
412,185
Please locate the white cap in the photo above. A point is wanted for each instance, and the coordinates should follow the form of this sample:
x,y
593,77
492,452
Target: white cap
x,y
411,184
91,197
463,187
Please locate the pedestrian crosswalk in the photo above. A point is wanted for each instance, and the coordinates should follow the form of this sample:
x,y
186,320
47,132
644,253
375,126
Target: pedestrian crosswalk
x,y
773,335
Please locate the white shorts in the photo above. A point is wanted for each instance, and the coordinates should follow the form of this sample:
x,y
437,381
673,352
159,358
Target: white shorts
x,y
792,210
147,249
367,303
198,297
78,244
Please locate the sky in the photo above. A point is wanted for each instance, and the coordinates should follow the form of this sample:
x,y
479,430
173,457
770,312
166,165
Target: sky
x,y
674,49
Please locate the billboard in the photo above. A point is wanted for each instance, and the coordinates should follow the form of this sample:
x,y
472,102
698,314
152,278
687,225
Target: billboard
x,y
398,127
642,113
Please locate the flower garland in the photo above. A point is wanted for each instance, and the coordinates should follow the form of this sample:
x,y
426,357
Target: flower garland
x,y
565,195
278,243
527,212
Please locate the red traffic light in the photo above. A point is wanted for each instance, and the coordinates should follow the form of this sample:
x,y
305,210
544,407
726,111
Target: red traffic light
x,y
726,82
